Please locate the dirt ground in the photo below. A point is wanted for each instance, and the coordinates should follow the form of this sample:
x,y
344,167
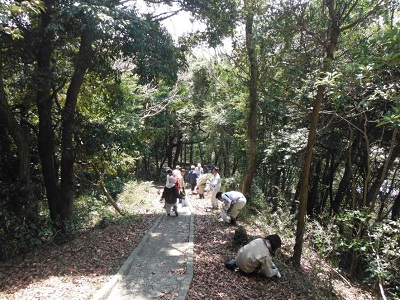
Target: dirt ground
x,y
79,268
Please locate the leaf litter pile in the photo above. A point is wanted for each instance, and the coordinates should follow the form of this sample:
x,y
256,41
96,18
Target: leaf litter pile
x,y
76,270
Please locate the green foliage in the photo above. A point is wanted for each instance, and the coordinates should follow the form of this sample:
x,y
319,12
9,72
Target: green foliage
x,y
383,256
93,209
18,237
232,183
323,239
136,195
10,9
378,249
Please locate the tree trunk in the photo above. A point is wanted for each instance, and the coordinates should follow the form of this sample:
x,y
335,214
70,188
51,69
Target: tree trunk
x,y
44,102
24,205
68,124
336,19
226,155
392,154
253,103
104,190
346,181
169,150
298,247
396,208
178,149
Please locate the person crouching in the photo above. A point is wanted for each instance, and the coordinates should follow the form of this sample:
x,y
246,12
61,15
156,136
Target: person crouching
x,y
256,257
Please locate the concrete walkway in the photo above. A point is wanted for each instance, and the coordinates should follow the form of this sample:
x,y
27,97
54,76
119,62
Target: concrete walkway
x,y
161,266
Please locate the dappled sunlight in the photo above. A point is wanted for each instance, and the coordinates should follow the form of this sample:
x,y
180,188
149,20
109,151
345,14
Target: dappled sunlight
x,y
214,246
78,268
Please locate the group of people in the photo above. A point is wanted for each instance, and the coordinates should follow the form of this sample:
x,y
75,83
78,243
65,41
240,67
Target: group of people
x,y
254,257
233,201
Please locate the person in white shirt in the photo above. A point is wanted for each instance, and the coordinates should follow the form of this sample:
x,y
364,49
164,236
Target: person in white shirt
x,y
199,170
256,257
178,175
215,184
233,203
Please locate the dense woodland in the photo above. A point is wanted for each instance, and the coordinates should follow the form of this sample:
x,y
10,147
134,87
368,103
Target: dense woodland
x,y
303,113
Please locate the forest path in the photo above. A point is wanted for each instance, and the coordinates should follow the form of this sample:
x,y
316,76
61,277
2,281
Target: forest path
x,y
161,266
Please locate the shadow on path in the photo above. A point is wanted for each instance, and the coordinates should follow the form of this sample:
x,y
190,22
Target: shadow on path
x,y
161,266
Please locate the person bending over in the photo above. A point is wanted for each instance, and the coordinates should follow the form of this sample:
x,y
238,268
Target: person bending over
x,y
256,257
233,203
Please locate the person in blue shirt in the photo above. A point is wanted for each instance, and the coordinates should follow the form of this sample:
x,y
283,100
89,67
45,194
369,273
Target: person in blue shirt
x,y
192,177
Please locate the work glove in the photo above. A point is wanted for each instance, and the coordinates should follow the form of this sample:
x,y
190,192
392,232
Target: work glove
x,y
278,275
273,266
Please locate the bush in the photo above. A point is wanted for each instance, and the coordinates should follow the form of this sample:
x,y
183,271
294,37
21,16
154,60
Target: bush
x,y
373,257
19,237
136,194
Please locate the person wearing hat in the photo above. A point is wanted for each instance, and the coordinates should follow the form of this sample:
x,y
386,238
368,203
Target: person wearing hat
x,y
178,175
192,177
170,194
256,257
233,203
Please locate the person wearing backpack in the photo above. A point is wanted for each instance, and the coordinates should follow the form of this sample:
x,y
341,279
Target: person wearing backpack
x,y
170,194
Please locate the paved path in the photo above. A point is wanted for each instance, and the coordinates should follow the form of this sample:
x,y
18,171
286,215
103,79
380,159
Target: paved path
x,y
161,266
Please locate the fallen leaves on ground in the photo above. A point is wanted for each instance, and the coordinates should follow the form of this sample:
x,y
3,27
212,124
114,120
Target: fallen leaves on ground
x,y
213,247
74,270
79,268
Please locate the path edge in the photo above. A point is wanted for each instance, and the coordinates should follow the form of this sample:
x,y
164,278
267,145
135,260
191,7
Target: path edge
x,y
105,291
189,260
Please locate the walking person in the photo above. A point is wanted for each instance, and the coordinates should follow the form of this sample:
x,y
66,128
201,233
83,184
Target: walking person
x,y
256,257
233,203
170,194
182,192
178,175
201,182
199,170
215,184
192,177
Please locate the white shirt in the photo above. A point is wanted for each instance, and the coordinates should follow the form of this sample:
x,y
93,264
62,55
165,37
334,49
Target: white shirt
x,y
231,197
171,181
216,181
198,170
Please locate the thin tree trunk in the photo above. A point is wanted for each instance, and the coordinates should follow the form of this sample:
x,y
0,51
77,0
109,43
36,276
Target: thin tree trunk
x,y
336,19
301,220
178,150
103,188
346,180
253,104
